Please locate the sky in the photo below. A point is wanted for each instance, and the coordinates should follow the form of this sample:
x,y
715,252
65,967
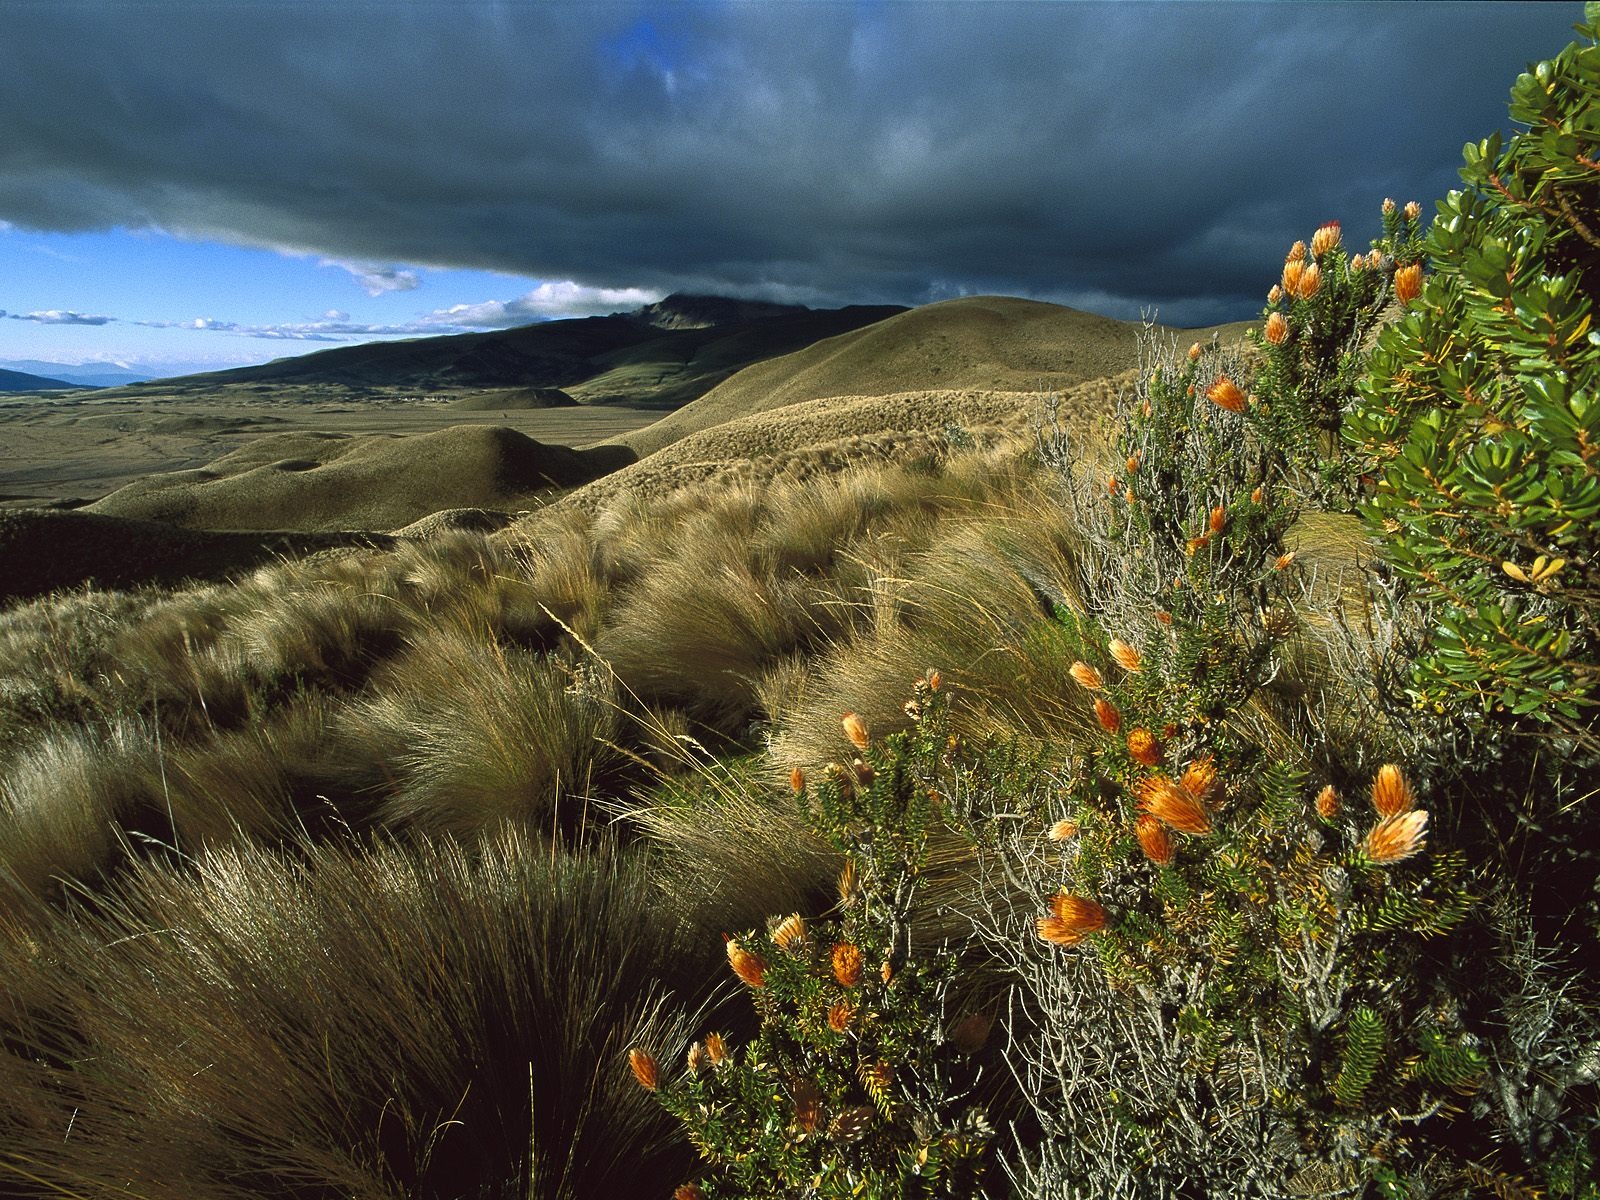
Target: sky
x,y
188,184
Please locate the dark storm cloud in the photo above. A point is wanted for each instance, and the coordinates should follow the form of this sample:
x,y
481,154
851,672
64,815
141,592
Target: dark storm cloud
x,y
1114,156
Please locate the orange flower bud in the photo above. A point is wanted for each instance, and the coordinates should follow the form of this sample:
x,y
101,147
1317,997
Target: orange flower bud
x,y
1173,804
1328,803
1292,271
1225,393
1358,263
847,964
1071,919
1282,562
1062,830
934,680
1086,676
1143,747
1296,253
1164,616
1391,794
1200,779
1326,238
1127,657
1133,463
1195,544
1153,839
1277,328
688,1191
1397,838
644,1069
1388,207
1413,210
1194,352
748,966
1219,518
717,1049
1274,294
1310,282
797,780
839,1016
856,730
1106,713
1408,283
1257,495
1113,485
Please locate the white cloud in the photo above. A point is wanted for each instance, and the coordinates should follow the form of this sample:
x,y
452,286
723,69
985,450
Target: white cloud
x,y
552,299
376,280
56,316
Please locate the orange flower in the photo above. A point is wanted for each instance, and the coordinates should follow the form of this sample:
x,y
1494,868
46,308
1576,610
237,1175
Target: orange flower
x,y
797,780
1086,675
1133,463
1219,518
1358,263
856,730
790,934
1310,282
644,1069
1173,804
1153,839
1281,563
934,680
1194,352
1388,207
1225,393
1274,294
748,966
1143,748
1062,830
1326,238
1127,657
1328,803
1408,283
1257,495
1277,328
1113,485
1292,271
847,964
1195,544
1164,617
696,1059
1200,779
1071,919
1397,838
1391,794
1296,252
1106,713
688,1191
1413,210
717,1049
839,1016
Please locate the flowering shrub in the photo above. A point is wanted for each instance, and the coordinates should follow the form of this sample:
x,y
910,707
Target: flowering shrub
x,y
859,1081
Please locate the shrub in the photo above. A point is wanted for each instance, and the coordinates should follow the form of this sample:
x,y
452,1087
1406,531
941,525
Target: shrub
x,y
859,1081
1481,419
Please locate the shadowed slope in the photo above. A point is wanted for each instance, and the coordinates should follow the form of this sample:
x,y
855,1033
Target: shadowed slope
x,y
321,482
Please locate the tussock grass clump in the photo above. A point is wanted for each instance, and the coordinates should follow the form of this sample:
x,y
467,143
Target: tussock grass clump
x,y
467,733
431,1020
64,802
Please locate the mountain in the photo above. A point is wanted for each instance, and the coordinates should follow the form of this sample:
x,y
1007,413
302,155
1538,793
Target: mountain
x,y
21,381
89,374
662,356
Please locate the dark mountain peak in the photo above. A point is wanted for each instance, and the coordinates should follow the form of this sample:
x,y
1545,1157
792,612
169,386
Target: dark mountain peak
x,y
684,311
22,381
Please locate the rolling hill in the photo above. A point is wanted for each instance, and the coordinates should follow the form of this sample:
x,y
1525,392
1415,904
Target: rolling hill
x,y
662,356
22,381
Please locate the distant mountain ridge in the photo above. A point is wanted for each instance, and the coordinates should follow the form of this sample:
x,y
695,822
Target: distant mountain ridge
x,y
89,374
21,381
663,355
